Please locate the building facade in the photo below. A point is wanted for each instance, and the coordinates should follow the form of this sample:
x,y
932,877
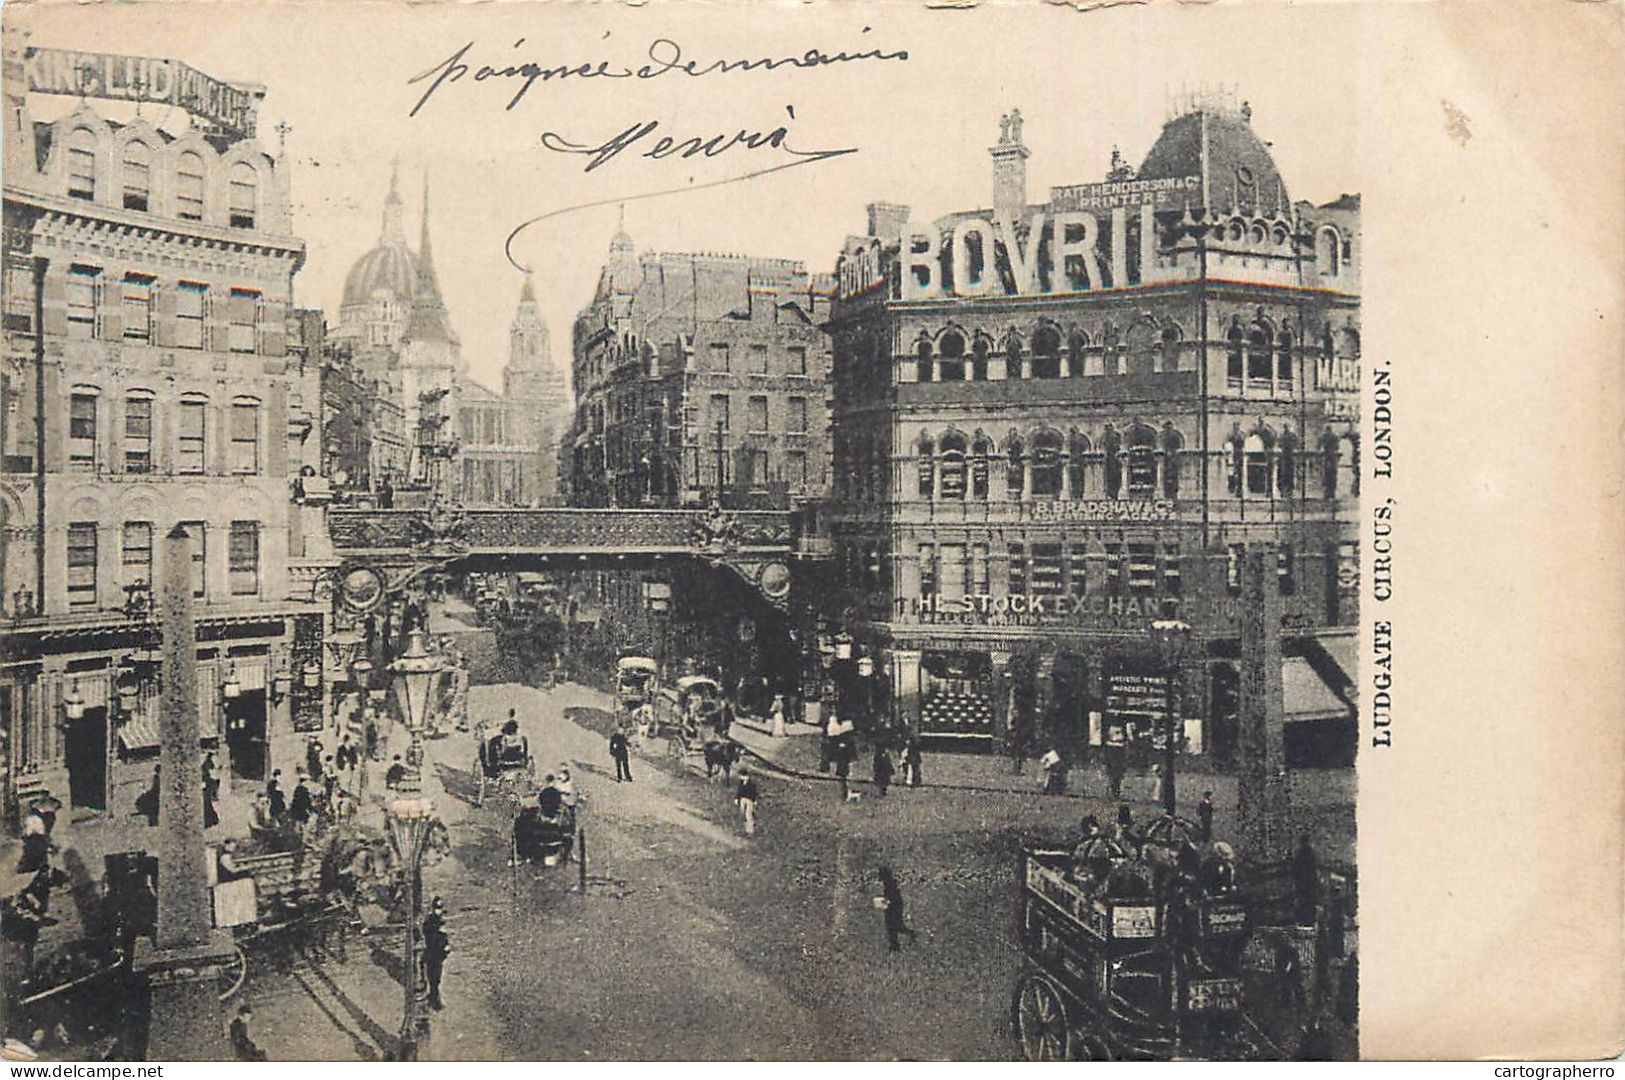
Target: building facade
x,y
152,377
396,342
700,376
1057,422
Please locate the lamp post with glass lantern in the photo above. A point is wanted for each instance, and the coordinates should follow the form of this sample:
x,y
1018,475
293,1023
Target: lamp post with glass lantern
x,y
1172,638
410,820
415,673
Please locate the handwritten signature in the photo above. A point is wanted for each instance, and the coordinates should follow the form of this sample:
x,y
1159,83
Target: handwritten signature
x,y
664,56
640,132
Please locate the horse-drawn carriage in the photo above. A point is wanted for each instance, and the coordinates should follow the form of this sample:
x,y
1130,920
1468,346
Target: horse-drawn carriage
x,y
1118,968
544,832
635,681
503,762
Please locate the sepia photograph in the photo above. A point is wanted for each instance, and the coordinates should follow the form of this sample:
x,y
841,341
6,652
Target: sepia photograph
x,y
558,532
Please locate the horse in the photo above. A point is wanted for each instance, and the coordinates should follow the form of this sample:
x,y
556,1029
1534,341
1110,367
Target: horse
x,y
723,755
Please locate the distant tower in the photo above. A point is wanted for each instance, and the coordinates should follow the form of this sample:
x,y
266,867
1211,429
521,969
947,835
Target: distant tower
x,y
1009,168
535,389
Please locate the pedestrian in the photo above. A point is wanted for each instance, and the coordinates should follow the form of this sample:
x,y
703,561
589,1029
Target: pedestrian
x,y
211,777
882,768
302,806
369,731
746,797
777,711
330,782
313,759
1054,772
913,754
242,1043
395,773
566,785
274,794
890,901
211,815
1124,832
1153,783
436,947
36,843
1204,817
621,752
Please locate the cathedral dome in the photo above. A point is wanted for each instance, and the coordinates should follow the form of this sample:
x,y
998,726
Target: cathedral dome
x,y
1239,172
389,266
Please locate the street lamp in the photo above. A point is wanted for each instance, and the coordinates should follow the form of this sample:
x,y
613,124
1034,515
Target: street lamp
x,y
410,820
73,702
230,688
1172,638
415,672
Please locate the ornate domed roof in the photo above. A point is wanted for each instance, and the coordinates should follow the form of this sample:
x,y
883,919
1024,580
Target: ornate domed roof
x,y
1239,172
390,266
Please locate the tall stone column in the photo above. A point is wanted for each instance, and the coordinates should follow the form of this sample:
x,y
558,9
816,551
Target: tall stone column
x,y
183,961
906,686
1265,827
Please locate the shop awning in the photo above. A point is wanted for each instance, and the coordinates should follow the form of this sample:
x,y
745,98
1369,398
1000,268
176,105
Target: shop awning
x,y
1345,650
139,733
1305,696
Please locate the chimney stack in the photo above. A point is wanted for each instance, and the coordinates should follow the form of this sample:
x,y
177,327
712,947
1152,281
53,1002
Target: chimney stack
x,y
886,221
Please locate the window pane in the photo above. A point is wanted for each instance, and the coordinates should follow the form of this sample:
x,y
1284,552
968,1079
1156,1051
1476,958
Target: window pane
x,y
245,438
137,176
191,443
719,358
1077,571
798,360
243,553
137,307
928,570
1046,572
82,430
758,359
191,308
1142,567
82,287
82,564
758,415
137,555
81,165
242,315
138,434
244,185
1018,570
798,416
189,187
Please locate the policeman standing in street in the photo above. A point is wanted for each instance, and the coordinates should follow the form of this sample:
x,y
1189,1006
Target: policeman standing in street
x,y
436,947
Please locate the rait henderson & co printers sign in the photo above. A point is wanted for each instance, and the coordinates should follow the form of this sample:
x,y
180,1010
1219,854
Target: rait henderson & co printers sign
x,y
140,78
1080,243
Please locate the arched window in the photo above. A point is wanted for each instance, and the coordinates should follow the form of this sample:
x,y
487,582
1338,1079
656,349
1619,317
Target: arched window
x,y
1283,359
1077,348
137,175
1237,230
1172,444
1170,348
1328,465
951,351
1350,342
1142,461
1328,251
1015,462
1257,452
1258,356
1111,353
1047,462
1233,355
1112,445
1077,450
927,467
189,186
922,355
981,456
979,354
1349,451
951,457
244,195
1286,465
1046,353
82,164
1012,357
1138,348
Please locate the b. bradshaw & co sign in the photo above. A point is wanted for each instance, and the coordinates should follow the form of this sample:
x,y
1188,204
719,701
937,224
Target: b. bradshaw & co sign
x,y
223,105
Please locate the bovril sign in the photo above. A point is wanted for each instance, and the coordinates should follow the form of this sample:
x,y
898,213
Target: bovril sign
x,y
1066,248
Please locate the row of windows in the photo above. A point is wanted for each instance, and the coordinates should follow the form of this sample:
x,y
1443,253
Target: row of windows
x,y
757,359
192,433
946,359
718,415
952,571
1139,464
135,559
134,181
90,294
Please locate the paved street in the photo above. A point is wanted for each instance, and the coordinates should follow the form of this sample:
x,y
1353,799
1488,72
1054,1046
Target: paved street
x,y
687,926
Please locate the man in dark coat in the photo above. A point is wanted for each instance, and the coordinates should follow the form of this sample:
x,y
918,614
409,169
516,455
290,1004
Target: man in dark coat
x,y
436,947
1305,881
892,896
299,810
619,750
1204,816
242,1043
882,768
273,791
313,760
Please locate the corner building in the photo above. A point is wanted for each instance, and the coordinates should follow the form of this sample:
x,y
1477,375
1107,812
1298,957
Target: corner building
x,y
1057,422
154,374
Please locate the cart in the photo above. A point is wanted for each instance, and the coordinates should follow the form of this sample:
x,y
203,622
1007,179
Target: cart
x,y
634,681
1105,977
499,767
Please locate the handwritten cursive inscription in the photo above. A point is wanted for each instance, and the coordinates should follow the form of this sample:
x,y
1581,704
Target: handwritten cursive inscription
x,y
664,56
640,134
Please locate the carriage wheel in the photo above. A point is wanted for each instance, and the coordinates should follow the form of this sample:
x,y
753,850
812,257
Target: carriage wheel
x,y
677,746
1040,1021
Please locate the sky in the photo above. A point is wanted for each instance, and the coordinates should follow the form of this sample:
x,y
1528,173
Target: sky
x,y
340,78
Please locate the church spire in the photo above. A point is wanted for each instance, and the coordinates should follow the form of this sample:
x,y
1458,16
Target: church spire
x,y
528,293
429,283
429,321
394,231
